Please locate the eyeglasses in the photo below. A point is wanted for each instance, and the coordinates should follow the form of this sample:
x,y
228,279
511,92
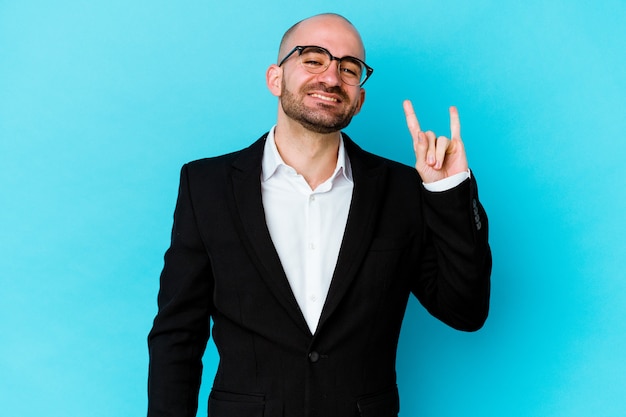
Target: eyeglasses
x,y
316,60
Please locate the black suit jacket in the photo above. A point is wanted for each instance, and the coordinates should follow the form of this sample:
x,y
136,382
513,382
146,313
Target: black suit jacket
x,y
221,264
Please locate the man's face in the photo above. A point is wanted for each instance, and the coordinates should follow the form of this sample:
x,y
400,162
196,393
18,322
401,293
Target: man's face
x,y
321,103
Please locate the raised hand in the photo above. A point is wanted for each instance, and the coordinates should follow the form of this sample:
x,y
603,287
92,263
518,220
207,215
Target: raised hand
x,y
436,158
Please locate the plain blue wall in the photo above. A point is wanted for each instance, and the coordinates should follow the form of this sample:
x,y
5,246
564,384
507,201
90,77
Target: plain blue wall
x,y
101,102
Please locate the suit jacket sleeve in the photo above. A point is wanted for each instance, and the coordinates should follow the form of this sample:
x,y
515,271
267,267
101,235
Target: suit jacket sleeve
x,y
454,285
181,328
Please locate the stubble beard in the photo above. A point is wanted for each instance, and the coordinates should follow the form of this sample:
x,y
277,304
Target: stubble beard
x,y
323,120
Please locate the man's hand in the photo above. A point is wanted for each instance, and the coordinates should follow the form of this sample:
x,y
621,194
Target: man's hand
x,y
436,158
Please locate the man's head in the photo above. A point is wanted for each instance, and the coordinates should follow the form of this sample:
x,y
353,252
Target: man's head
x,y
319,98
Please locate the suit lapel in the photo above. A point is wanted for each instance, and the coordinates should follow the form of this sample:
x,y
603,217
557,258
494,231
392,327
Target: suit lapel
x,y
369,177
250,221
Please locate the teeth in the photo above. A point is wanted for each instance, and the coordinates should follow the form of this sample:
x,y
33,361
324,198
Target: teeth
x,y
334,100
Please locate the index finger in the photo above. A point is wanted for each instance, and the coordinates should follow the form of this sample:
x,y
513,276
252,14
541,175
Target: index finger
x,y
455,123
411,118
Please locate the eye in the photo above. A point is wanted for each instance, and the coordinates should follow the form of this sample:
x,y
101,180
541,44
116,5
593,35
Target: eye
x,y
312,61
351,68
348,71
314,58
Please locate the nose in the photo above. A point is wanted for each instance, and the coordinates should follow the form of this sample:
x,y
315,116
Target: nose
x,y
331,76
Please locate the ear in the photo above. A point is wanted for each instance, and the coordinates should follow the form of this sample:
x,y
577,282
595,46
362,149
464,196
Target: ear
x,y
361,101
273,79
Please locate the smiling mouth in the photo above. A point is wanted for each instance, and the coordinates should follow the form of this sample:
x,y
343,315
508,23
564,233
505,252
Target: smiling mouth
x,y
325,98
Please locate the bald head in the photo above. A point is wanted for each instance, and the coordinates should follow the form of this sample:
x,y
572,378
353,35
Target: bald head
x,y
319,30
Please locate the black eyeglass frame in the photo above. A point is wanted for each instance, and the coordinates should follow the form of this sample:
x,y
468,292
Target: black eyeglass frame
x,y
300,48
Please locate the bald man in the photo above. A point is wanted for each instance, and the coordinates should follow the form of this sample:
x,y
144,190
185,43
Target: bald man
x,y
304,249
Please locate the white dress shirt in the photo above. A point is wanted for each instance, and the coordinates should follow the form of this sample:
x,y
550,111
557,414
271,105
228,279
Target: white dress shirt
x,y
307,226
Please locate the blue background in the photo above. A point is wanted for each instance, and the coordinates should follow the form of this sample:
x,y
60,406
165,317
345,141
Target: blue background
x,y
102,102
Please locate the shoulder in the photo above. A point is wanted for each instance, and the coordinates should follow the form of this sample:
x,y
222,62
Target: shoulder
x,y
362,159
246,158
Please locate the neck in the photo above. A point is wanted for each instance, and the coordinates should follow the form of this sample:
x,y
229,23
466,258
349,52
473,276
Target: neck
x,y
313,155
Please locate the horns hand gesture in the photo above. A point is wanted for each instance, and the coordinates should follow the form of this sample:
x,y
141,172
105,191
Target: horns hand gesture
x,y
436,157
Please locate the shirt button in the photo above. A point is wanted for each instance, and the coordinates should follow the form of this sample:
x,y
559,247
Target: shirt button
x,y
314,357
312,198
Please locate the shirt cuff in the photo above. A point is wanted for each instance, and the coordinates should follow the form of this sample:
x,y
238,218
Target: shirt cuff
x,y
447,183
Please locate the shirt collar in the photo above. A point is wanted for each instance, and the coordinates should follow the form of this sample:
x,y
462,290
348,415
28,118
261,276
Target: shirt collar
x,y
272,160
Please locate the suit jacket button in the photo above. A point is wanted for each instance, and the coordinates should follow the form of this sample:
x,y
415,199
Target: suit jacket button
x,y
314,357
